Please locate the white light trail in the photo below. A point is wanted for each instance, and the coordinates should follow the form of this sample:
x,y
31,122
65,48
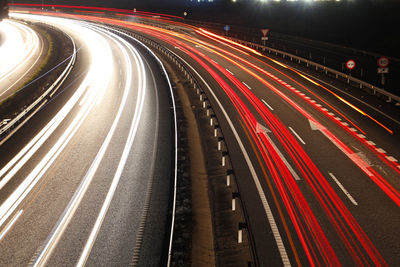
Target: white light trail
x,y
20,46
101,65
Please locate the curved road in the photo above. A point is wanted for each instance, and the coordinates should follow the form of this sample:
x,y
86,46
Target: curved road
x,y
82,181
317,168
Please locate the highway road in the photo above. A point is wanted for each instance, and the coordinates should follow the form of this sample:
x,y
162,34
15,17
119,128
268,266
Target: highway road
x,y
87,179
317,168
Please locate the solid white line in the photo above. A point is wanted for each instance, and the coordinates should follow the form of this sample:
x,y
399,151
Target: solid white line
x,y
343,189
246,85
265,103
380,150
298,137
267,208
230,72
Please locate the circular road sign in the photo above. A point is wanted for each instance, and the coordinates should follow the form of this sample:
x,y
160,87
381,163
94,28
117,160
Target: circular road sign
x,y
350,64
383,62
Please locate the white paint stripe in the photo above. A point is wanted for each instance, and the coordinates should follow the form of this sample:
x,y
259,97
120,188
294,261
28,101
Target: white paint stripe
x,y
371,143
229,71
343,189
361,135
267,209
353,129
246,85
392,159
265,103
298,137
380,150
290,168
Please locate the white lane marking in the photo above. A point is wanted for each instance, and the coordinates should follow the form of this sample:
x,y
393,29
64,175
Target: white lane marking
x,y
343,189
353,97
265,103
380,150
267,208
10,224
391,158
290,168
371,143
246,85
298,136
230,72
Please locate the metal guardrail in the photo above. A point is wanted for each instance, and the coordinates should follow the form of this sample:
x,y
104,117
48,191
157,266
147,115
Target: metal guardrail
x,y
14,122
362,84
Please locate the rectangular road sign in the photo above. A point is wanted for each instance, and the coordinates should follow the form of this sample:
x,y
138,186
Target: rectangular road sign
x,y
383,70
264,38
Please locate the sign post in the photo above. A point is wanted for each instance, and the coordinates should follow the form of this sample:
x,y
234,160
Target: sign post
x,y
383,67
350,64
227,28
264,38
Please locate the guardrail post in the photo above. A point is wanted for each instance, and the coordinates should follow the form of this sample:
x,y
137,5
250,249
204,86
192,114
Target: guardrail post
x,y
212,119
216,130
220,139
242,225
224,154
235,195
229,172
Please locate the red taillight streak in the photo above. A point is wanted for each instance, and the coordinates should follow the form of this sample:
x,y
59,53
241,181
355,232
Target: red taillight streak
x,y
231,93
225,86
393,165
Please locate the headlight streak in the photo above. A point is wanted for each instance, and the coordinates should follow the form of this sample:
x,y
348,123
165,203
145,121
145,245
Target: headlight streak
x,y
68,213
124,157
15,53
98,60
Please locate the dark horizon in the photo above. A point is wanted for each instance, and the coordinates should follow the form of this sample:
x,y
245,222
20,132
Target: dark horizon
x,y
367,25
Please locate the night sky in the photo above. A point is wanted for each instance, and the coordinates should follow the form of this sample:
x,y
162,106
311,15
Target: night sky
x,y
370,25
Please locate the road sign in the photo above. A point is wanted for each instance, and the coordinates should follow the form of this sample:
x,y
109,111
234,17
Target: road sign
x,y
264,38
383,62
227,28
383,70
265,32
350,64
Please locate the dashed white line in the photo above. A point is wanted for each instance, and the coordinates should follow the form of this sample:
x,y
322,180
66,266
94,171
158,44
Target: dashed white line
x,y
265,103
230,72
392,159
246,85
371,143
380,150
343,189
298,137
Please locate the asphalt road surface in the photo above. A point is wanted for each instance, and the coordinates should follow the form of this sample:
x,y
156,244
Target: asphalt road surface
x,y
87,179
316,165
